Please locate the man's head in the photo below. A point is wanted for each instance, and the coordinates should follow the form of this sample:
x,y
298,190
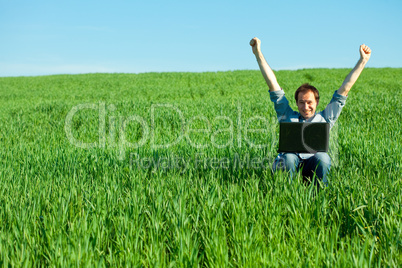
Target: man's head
x,y
307,98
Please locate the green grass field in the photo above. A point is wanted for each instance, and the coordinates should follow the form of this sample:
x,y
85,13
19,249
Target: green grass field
x,y
173,169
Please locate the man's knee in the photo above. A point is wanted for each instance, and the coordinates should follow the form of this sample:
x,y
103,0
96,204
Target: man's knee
x,y
323,160
286,162
319,164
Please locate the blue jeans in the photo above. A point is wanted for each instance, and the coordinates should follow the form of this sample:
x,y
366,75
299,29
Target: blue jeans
x,y
319,164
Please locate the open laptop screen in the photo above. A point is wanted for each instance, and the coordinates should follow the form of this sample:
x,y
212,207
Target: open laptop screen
x,y
303,137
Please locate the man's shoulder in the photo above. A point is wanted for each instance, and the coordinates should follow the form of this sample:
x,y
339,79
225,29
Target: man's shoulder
x,y
319,117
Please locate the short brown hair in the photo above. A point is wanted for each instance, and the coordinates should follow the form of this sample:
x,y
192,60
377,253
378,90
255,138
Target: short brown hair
x,y
305,88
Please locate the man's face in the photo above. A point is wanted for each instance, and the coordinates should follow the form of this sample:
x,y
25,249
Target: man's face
x,y
307,104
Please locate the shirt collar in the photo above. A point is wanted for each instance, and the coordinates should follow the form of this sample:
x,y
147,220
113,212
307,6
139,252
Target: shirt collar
x,y
301,118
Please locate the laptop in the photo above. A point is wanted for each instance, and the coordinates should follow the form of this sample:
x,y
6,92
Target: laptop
x,y
303,137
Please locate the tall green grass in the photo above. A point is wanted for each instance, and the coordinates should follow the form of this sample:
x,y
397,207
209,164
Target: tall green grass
x,y
209,199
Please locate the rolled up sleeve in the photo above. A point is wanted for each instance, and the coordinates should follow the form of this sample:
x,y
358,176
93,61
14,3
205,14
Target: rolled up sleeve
x,y
334,108
281,104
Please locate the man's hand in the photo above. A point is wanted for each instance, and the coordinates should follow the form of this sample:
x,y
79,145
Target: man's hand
x,y
255,43
365,52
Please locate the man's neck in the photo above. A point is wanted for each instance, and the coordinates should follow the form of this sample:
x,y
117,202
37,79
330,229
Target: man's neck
x,y
302,119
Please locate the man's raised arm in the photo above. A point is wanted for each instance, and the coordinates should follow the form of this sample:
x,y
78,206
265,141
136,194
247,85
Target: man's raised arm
x,y
365,53
266,71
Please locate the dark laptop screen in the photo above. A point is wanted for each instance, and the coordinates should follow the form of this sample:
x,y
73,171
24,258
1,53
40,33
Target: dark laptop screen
x,y
303,137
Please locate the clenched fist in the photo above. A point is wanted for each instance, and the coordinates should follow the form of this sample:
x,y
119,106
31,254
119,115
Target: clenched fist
x,y
255,43
365,52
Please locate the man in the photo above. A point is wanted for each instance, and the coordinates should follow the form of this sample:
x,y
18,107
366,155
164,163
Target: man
x,y
307,98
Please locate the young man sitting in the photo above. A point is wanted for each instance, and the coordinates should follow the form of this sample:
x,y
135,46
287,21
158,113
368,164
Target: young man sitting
x,y
307,98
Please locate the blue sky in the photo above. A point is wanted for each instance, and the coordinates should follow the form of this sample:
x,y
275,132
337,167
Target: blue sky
x,y
68,37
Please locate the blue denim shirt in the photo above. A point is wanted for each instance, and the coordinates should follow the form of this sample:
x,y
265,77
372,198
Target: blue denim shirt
x,y
285,113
